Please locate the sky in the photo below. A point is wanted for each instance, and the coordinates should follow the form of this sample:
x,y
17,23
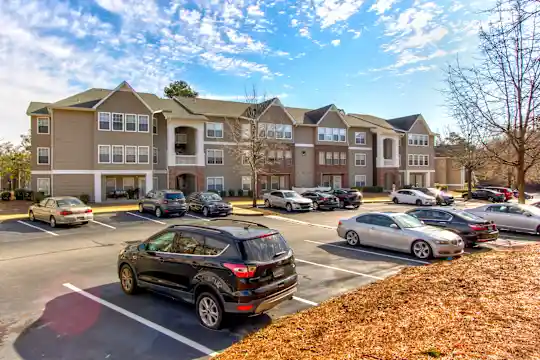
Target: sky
x,y
378,57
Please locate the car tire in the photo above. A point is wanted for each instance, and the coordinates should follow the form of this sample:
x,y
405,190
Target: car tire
x,y
395,200
288,207
421,250
315,205
341,204
158,212
84,223
52,221
31,216
352,238
205,211
538,230
181,214
356,206
141,208
128,282
267,204
418,202
209,311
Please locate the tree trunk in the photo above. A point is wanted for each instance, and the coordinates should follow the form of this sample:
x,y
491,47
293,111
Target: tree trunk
x,y
521,176
469,183
255,192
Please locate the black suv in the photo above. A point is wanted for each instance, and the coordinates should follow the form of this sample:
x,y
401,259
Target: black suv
x,y
209,204
164,203
348,197
222,266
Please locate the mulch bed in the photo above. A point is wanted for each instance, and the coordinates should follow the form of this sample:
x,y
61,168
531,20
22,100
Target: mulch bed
x,y
482,306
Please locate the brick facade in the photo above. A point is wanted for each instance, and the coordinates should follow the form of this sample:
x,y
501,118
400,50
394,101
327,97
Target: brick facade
x,y
394,175
197,171
342,170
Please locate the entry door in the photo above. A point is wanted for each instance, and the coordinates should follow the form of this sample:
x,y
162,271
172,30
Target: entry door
x,y
417,180
142,186
336,182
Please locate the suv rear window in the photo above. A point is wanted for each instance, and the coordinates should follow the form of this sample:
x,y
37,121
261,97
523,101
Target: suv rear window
x,y
264,248
174,196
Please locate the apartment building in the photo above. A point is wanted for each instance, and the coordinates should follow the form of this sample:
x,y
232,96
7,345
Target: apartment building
x,y
102,140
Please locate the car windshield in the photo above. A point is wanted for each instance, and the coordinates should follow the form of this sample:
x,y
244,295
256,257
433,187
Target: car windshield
x,y
174,196
265,248
468,216
407,221
69,202
532,209
211,197
290,194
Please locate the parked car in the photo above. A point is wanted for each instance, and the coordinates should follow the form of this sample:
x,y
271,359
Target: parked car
x,y
412,196
348,197
209,204
222,266
287,199
400,232
472,228
508,193
536,204
486,194
441,198
61,210
164,203
527,195
322,200
515,217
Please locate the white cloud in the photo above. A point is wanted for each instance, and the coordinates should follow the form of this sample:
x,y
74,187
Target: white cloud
x,y
294,22
238,66
254,10
421,68
336,42
381,6
304,32
281,53
331,12
356,34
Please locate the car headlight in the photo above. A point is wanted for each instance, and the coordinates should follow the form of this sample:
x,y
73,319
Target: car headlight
x,y
442,242
212,205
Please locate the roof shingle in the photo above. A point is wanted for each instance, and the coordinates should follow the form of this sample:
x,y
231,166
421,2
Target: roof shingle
x,y
404,123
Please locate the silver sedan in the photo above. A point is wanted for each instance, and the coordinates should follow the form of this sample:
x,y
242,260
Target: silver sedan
x,y
400,232
61,210
515,217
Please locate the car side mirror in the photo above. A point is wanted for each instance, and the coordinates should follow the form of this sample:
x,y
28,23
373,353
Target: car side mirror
x,y
528,214
394,226
141,247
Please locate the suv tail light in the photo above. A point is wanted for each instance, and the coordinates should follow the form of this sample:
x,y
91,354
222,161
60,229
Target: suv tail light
x,y
339,223
241,270
88,211
64,213
477,227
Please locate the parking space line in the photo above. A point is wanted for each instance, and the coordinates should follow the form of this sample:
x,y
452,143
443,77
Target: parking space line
x,y
305,301
102,224
338,269
197,217
37,227
369,252
163,330
299,222
146,218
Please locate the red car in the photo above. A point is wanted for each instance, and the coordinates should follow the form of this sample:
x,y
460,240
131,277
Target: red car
x,y
508,193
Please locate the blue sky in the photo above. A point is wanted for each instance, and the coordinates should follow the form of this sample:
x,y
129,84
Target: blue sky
x,y
380,57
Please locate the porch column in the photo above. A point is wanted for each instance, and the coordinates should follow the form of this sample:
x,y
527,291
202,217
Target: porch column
x,y
171,158
97,187
199,143
395,151
380,151
149,181
428,179
407,177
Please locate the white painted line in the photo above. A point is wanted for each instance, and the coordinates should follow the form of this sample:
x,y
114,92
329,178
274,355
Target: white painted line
x,y
299,222
203,349
102,224
37,227
369,252
197,217
147,218
305,301
338,269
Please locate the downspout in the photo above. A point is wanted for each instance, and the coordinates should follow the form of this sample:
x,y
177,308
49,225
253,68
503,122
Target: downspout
x,y
52,152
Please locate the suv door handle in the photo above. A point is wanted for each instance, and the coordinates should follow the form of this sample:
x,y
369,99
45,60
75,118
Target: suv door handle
x,y
195,264
161,260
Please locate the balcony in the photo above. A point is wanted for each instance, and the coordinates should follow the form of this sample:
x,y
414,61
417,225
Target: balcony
x,y
388,162
186,159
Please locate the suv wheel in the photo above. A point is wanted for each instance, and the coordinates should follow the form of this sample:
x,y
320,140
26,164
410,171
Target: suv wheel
x,y
267,204
127,280
418,202
490,199
141,208
31,216
395,200
288,207
209,311
205,211
159,212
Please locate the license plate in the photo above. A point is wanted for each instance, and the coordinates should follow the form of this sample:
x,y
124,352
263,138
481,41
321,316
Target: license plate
x,y
279,272
223,214
80,218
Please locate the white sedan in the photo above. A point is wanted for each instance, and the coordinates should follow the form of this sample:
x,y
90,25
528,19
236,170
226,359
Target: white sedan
x,y
411,196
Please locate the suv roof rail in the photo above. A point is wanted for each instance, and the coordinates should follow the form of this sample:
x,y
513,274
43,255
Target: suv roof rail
x,y
202,226
242,221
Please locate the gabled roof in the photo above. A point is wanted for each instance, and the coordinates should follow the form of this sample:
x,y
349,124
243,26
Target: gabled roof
x,y
404,123
198,106
256,110
37,108
86,99
315,116
170,108
124,86
373,120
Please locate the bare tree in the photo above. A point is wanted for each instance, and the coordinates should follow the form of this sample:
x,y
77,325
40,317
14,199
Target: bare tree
x,y
499,95
252,143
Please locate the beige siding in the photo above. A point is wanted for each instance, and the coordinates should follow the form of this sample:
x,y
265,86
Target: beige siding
x,y
73,185
38,140
160,141
231,170
304,134
453,172
351,136
73,133
331,120
277,115
162,181
304,158
441,171
360,170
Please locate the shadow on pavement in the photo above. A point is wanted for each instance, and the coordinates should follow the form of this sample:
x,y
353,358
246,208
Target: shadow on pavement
x,y
75,327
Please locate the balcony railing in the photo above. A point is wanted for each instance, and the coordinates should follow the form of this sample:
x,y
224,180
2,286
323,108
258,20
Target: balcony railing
x,y
388,162
186,159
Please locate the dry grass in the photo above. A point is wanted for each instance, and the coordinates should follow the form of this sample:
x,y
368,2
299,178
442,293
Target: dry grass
x,y
483,306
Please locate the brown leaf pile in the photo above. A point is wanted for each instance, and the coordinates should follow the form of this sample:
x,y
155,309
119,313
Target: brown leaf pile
x,y
482,306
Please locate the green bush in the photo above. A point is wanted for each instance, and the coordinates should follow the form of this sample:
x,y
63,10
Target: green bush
x,y
231,192
38,196
222,193
240,192
85,198
372,189
19,194
28,195
5,196
250,193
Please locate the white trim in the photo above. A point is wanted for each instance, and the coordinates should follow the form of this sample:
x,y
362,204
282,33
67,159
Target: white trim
x,y
124,182
360,148
215,177
214,137
365,138
117,89
222,156
463,176
48,156
416,171
411,135
136,154
139,123
139,154
125,122
332,141
360,155
165,172
242,182
224,143
99,122
155,120
157,155
304,145
48,125
110,154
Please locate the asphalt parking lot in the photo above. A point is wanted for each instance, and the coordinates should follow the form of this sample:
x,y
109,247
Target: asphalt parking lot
x,y
61,299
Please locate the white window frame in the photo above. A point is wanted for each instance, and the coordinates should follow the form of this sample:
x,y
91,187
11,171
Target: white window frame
x,y
99,153
109,121
124,182
215,151
155,183
263,180
288,157
280,156
248,178
320,133
48,180
356,138
418,140
155,125
112,154
48,125
135,123
329,159
358,179
214,125
48,155
139,148
142,116
131,147
245,160
337,135
214,179
335,157
287,129
271,131
123,122
245,131
426,160
342,135
359,158
155,155
343,158
280,131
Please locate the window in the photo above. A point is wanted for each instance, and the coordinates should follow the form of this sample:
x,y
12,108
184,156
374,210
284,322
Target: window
x,y
418,140
287,129
104,121
214,157
360,159
343,158
332,134
43,156
245,157
274,182
161,242
131,154
498,208
42,125
418,160
359,180
265,249
155,183
320,132
117,154
264,183
155,126
426,160
110,184
342,135
117,122
328,134
131,122
155,155
288,157
321,158
44,186
279,131
144,154
246,131
104,154
214,130
360,138
336,158
279,156
144,123
180,138
326,180
328,158
262,130
128,183
214,184
187,244
214,247
516,210
246,183
381,220
271,157
270,130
